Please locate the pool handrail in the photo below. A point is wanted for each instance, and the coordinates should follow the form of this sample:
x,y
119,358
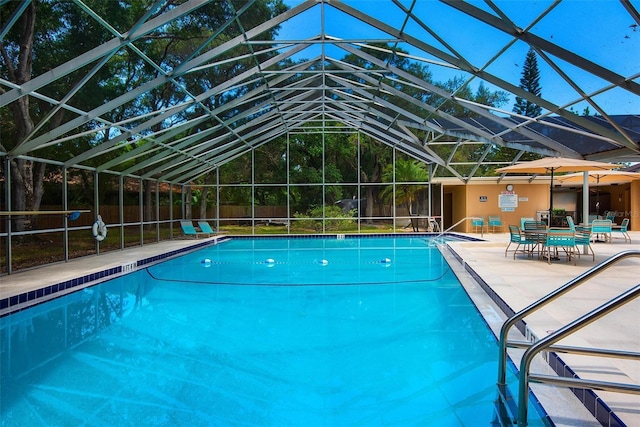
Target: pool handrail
x,y
547,342
442,233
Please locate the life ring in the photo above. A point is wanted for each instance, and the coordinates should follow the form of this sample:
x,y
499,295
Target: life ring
x,y
99,229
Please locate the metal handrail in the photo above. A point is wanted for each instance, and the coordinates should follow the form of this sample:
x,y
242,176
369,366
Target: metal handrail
x,y
442,233
547,342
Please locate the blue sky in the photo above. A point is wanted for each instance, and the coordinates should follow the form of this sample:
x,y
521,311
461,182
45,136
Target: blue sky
x,y
600,30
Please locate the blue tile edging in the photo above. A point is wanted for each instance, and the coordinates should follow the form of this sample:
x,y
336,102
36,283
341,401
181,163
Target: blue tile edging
x,y
596,406
6,304
14,301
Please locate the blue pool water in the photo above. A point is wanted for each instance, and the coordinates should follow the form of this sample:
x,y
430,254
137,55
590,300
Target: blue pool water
x,y
266,332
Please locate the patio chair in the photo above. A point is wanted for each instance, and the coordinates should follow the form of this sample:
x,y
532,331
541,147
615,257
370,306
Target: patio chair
x,y
582,235
560,239
535,233
622,229
611,215
477,222
433,224
516,237
594,217
583,238
189,230
523,220
206,228
602,227
495,221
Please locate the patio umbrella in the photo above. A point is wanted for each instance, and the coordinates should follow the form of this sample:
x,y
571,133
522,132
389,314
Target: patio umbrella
x,y
600,177
556,164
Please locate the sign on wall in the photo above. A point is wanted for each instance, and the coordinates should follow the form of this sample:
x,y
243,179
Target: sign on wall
x,y
508,200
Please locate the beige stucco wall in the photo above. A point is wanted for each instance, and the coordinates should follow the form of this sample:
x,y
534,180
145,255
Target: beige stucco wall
x,y
634,206
467,202
532,197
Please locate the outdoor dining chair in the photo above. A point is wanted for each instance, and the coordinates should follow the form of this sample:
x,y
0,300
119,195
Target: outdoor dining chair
x,y
519,239
583,238
477,223
535,233
560,239
622,229
523,220
602,227
495,222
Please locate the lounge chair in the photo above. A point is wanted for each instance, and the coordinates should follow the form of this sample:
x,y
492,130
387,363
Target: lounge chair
x,y
622,229
495,221
206,228
188,229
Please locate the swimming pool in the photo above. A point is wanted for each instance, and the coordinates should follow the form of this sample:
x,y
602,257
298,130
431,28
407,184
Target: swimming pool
x,y
313,332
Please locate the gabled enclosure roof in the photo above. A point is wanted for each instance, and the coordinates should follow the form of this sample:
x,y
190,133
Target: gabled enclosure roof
x,y
332,67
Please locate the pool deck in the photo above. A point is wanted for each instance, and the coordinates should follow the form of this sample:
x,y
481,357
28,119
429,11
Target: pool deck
x,y
522,281
518,282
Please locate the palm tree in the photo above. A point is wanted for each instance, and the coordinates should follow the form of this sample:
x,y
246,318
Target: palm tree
x,y
410,177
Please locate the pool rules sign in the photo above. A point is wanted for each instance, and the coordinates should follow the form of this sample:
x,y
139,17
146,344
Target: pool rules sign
x,y
507,201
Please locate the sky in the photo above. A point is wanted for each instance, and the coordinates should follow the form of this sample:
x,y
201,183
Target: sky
x,y
601,31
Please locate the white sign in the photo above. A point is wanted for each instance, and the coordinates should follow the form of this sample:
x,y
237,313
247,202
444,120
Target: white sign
x,y
508,200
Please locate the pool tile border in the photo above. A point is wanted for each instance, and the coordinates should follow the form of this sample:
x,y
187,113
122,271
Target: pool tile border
x,y
27,299
17,303
589,399
596,406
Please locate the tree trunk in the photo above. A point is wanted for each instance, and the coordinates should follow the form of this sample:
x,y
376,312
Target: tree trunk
x,y
22,188
187,204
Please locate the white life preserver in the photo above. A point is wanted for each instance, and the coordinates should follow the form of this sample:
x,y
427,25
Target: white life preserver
x,y
99,229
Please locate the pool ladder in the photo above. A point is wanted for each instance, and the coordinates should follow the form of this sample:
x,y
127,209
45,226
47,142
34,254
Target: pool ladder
x,y
438,239
547,343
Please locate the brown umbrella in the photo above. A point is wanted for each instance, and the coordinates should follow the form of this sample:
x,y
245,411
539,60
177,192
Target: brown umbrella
x,y
600,177
553,165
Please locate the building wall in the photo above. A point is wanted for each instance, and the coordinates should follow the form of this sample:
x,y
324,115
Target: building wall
x,y
469,200
458,206
482,200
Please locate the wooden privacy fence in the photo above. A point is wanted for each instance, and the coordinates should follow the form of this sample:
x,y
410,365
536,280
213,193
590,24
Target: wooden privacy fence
x,y
131,214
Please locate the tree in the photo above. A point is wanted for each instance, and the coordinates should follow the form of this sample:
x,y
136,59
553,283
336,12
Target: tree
x,y
410,177
530,81
49,33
